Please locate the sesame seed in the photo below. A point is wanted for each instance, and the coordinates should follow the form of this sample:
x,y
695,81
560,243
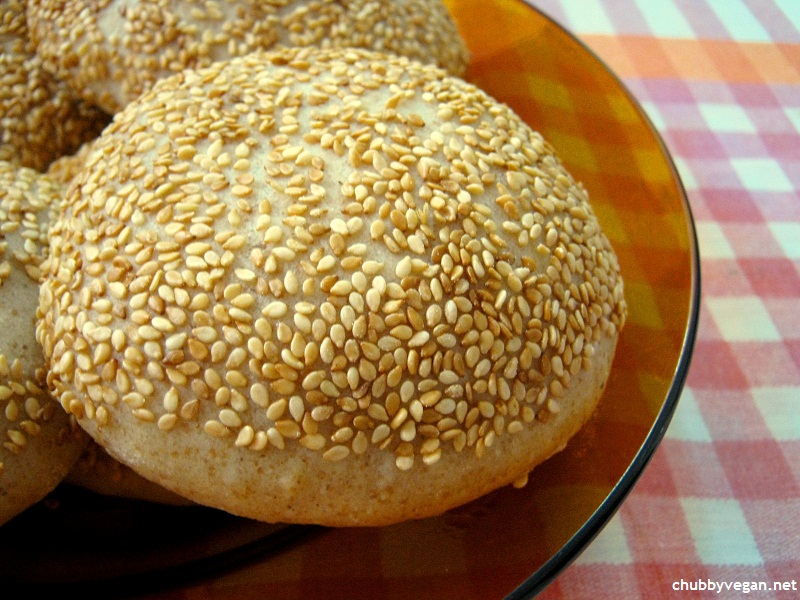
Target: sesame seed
x,y
336,453
313,442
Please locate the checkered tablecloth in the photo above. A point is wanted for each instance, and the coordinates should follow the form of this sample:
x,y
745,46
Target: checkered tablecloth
x,y
720,501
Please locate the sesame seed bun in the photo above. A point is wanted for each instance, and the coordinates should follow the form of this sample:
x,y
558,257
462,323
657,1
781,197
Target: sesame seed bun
x,y
327,286
112,51
41,119
40,442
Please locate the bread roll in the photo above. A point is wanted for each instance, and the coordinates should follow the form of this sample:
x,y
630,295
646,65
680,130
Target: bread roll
x,y
41,119
112,51
40,442
328,286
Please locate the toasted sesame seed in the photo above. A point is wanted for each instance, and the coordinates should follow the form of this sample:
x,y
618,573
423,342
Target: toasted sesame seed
x,y
313,441
336,453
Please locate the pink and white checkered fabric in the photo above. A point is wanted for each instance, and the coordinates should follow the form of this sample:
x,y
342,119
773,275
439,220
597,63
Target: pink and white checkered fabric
x,y
720,502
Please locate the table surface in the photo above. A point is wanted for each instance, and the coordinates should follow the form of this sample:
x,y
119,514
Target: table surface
x,y
719,503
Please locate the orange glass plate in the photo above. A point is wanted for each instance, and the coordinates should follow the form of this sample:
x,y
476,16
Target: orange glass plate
x,y
512,542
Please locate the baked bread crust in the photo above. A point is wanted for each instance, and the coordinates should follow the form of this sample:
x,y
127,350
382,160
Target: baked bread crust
x,y
40,442
327,286
41,118
98,472
112,51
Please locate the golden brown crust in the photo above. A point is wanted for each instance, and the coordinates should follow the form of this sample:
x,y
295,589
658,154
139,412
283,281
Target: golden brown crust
x,y
112,51
40,442
286,270
41,119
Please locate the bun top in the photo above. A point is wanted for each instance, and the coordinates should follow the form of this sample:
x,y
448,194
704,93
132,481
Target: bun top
x,y
336,249
41,119
112,51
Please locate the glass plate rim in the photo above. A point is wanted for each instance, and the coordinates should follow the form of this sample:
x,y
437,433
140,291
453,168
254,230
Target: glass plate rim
x,y
583,537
